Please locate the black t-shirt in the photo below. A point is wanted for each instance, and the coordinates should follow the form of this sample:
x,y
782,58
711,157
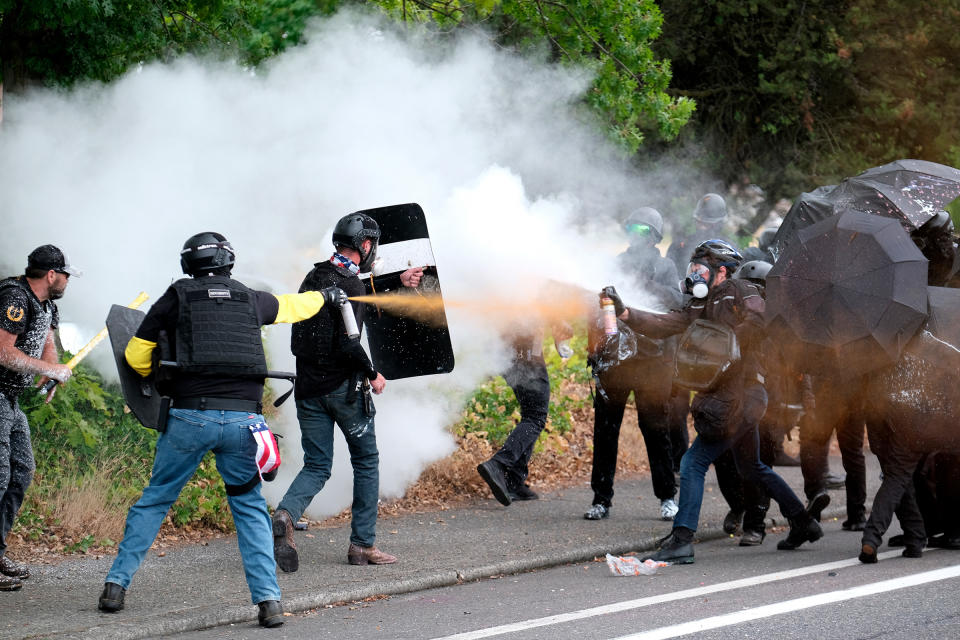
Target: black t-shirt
x,y
163,317
325,355
23,315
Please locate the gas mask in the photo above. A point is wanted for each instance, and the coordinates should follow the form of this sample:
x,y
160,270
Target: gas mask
x,y
698,279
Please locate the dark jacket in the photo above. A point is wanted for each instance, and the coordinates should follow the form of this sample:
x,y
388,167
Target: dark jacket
x,y
326,357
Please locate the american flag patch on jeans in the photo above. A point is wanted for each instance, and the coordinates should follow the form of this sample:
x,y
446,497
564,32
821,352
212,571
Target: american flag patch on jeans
x,y
268,452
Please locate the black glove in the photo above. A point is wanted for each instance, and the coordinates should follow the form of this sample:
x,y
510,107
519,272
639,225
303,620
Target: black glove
x,y
610,292
334,295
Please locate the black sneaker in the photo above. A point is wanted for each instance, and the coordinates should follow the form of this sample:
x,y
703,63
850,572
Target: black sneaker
x,y
597,512
802,529
270,614
111,600
522,492
495,476
898,540
817,504
674,550
752,538
911,551
731,522
868,554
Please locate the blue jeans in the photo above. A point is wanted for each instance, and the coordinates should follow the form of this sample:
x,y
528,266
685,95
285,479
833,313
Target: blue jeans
x,y
317,417
744,442
189,435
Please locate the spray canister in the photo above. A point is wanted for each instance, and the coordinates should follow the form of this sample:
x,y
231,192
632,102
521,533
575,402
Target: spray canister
x,y
609,315
349,320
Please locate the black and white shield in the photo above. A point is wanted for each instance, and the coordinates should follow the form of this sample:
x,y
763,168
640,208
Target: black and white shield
x,y
405,343
139,393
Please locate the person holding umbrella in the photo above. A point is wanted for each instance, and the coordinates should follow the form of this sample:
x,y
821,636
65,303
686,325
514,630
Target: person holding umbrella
x,y
725,416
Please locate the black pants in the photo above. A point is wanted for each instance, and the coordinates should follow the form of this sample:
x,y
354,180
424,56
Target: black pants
x,y
653,418
814,452
896,494
531,386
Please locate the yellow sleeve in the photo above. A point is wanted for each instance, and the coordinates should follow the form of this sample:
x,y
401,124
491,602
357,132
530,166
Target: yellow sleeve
x,y
295,307
139,355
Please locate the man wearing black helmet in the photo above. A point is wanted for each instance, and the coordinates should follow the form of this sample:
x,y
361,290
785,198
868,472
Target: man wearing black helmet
x,y
647,377
726,415
28,318
332,369
211,325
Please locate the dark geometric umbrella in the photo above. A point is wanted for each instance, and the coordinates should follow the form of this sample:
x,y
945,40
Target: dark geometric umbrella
x,y
911,191
852,289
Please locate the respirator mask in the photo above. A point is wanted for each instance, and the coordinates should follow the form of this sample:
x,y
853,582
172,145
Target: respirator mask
x,y
698,279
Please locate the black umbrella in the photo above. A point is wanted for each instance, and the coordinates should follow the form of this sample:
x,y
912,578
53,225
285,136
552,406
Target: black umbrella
x,y
911,191
850,291
918,395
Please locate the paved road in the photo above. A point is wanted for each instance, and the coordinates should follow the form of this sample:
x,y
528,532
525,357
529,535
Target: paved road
x,y
820,592
202,586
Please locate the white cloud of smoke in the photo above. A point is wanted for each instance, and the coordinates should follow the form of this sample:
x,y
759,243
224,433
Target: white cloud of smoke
x,y
516,188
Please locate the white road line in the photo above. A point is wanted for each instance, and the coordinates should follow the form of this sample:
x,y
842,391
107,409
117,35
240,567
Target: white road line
x,y
778,608
657,599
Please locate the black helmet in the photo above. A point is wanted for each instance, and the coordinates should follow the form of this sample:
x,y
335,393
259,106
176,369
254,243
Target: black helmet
x,y
352,230
711,209
754,270
645,217
766,238
717,253
940,223
205,252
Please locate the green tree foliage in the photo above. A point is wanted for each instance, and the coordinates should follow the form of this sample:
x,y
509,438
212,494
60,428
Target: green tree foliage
x,y
769,79
62,41
906,83
609,37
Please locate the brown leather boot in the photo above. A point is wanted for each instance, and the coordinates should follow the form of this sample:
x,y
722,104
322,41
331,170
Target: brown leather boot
x,y
284,548
368,555
9,567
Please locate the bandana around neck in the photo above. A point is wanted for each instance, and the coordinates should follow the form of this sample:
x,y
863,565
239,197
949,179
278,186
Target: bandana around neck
x,y
345,262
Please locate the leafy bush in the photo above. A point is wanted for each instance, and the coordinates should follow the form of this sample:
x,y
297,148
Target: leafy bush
x,y
493,410
86,432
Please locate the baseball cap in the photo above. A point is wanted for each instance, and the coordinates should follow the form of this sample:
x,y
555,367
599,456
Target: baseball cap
x,y
48,257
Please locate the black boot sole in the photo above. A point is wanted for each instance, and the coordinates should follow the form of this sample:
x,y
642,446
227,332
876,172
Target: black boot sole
x,y
286,556
817,505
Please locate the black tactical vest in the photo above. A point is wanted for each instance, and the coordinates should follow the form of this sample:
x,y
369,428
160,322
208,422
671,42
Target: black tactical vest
x,y
40,316
218,331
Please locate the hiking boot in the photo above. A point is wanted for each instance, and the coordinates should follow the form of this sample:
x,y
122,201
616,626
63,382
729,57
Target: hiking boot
x,y
368,555
751,538
270,614
731,522
802,529
597,512
495,475
817,504
8,583
668,509
111,600
284,548
868,554
13,569
523,492
677,548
